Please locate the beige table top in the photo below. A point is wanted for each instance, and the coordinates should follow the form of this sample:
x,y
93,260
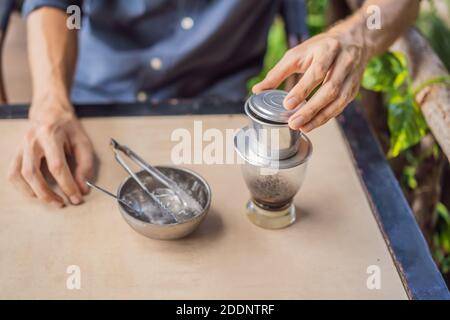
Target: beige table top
x,y
325,254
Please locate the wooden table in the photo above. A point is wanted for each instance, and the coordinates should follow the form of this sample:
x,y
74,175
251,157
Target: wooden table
x,y
324,255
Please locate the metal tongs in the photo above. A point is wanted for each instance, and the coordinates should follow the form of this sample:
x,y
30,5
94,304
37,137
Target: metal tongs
x,y
158,175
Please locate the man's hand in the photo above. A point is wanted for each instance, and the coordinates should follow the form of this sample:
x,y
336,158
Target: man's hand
x,y
333,60
52,134
53,131
336,60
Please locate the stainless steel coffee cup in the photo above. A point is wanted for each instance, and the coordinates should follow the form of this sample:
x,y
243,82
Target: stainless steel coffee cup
x,y
272,137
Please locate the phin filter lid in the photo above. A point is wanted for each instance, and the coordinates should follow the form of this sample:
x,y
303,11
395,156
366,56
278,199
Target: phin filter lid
x,y
268,105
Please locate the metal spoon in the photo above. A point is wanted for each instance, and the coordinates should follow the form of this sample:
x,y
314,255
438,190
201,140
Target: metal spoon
x,y
91,185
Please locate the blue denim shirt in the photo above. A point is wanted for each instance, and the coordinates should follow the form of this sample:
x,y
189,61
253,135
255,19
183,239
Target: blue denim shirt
x,y
158,49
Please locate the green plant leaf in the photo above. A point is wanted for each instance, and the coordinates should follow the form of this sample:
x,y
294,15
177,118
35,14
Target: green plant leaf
x,y
443,212
406,123
316,19
386,73
409,174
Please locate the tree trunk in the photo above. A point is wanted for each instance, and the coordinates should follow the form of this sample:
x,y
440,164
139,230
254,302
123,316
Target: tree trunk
x,y
434,100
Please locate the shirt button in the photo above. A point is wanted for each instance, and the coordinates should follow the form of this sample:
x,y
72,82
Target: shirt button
x,y
141,96
187,23
156,63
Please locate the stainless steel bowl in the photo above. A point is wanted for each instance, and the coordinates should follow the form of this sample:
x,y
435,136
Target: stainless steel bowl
x,y
192,182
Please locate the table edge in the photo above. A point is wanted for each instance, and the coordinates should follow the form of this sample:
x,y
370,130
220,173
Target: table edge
x,y
403,237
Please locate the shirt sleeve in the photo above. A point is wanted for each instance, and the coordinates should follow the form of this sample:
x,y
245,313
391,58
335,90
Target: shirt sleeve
x,y
31,5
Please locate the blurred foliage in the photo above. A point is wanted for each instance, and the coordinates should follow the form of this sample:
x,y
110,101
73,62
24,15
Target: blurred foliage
x,y
316,19
276,47
389,74
441,239
409,179
436,31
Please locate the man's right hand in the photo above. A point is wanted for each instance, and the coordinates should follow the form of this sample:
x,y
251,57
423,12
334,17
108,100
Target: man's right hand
x,y
53,133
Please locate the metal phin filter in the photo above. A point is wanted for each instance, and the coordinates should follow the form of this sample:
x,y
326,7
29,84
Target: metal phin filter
x,y
273,139
276,159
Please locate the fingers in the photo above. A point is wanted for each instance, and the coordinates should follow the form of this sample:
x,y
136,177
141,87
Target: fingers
x,y
314,76
59,168
84,159
52,142
312,58
31,173
291,62
15,177
349,91
328,92
323,116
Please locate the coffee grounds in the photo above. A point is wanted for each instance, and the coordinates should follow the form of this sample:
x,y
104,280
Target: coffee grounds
x,y
271,190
